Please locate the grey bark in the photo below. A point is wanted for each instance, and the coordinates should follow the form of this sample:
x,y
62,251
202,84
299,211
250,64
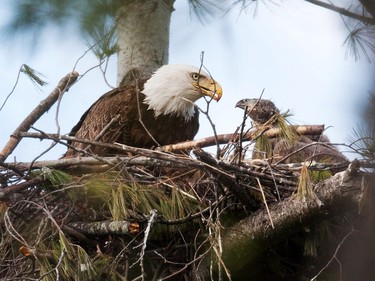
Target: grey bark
x,y
143,38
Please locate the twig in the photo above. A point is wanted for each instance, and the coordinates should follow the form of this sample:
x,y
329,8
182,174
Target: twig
x,y
44,152
14,87
208,102
241,134
151,221
200,257
265,202
43,106
138,92
334,257
329,146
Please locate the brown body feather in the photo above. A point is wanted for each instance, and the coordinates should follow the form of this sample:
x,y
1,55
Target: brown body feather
x,y
122,102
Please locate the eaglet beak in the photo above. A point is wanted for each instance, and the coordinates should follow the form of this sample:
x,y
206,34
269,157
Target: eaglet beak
x,y
210,88
246,103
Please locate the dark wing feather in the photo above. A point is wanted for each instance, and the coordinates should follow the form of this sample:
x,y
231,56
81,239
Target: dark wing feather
x,y
122,102
99,115
165,129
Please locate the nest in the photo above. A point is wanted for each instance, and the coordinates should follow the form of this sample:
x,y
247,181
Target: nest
x,y
102,211
155,214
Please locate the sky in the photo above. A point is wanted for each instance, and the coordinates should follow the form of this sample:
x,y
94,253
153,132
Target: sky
x,y
293,50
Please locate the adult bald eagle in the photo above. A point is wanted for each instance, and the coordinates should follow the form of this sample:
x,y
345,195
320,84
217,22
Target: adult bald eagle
x,y
149,113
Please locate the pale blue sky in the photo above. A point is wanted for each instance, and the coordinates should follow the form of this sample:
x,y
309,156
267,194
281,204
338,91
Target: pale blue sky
x,y
293,50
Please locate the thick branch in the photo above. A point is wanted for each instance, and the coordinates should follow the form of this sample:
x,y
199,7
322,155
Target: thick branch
x,y
288,216
38,111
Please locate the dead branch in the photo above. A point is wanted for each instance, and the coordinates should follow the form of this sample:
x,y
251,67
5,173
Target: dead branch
x,y
106,227
36,254
147,161
116,146
227,138
344,188
38,111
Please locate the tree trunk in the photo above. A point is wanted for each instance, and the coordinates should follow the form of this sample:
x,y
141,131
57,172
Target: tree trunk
x,y
143,38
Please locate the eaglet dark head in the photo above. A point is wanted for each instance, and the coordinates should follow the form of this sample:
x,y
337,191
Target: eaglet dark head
x,y
259,110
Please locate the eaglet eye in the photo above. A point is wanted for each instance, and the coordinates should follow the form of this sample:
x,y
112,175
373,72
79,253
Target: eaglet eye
x,y
195,76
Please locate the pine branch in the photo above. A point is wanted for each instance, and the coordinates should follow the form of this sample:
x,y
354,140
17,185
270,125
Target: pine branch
x,y
38,111
342,11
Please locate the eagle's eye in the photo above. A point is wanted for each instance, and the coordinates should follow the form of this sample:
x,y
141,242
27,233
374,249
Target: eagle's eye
x,y
195,76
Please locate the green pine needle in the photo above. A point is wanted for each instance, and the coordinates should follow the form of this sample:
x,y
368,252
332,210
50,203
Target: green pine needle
x,y
319,175
262,148
34,75
305,192
102,38
125,200
286,131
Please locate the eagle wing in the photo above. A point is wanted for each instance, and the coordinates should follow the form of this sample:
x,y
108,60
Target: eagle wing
x,y
105,121
164,129
119,117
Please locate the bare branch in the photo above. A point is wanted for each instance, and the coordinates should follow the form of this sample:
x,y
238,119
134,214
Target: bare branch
x,y
42,107
226,138
342,11
106,227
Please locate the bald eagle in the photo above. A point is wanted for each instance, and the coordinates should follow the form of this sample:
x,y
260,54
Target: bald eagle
x,y
298,149
149,113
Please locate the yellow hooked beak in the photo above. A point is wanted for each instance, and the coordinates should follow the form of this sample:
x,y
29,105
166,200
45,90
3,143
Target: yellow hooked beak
x,y
209,87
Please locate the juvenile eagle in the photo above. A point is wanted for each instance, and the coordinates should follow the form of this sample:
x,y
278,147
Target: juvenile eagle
x,y
299,149
149,113
258,110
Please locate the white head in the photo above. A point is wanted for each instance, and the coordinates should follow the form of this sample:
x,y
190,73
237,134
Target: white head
x,y
174,88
